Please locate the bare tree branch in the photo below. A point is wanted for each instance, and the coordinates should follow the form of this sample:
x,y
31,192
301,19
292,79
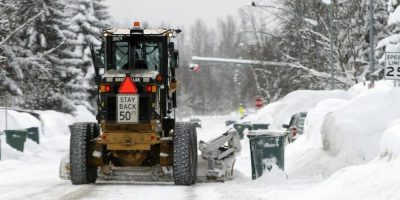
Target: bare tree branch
x,y
51,50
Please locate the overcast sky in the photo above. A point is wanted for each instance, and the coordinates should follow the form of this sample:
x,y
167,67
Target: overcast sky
x,y
174,12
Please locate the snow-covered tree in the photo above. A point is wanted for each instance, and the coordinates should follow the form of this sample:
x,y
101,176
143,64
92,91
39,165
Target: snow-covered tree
x,y
87,27
16,59
390,43
48,38
45,60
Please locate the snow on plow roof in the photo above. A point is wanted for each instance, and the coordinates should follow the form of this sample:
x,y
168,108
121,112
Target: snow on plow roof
x,y
127,31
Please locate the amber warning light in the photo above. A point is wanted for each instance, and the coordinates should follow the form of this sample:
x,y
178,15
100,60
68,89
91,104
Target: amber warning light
x,y
136,24
127,86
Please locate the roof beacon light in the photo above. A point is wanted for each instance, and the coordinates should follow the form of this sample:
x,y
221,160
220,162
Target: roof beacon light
x,y
137,28
137,25
127,86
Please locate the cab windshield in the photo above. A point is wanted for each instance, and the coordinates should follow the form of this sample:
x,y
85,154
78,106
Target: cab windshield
x,y
137,55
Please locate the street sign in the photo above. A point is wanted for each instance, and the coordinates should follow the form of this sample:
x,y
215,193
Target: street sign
x,y
194,67
392,65
127,110
259,102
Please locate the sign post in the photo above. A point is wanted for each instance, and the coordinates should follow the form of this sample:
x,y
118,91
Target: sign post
x,y
392,66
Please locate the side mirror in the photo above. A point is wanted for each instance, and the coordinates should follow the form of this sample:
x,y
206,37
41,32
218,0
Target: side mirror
x,y
97,60
171,47
285,126
176,59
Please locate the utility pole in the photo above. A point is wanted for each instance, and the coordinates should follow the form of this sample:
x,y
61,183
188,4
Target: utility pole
x,y
371,43
6,104
331,38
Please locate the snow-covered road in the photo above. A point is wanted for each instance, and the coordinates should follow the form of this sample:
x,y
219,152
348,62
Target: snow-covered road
x,y
37,177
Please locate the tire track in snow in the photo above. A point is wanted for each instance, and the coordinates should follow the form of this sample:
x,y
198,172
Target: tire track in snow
x,y
78,194
42,193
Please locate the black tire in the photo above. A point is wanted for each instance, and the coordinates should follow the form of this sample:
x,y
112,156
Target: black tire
x,y
185,154
194,152
81,135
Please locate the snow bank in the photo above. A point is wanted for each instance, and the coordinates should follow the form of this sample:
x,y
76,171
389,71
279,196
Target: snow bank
x,y
390,142
306,157
17,120
53,131
376,180
361,87
340,133
354,130
82,114
280,112
55,123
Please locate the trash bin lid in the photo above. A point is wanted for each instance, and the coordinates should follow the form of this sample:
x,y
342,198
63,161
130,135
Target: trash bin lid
x,y
276,133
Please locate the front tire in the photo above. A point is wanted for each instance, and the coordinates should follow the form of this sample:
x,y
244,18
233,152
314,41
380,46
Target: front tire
x,y
185,154
81,136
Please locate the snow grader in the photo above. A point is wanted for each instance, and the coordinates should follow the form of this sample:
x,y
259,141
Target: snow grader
x,y
136,136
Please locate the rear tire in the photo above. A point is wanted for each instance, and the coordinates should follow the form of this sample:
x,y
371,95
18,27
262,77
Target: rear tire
x,y
81,136
185,154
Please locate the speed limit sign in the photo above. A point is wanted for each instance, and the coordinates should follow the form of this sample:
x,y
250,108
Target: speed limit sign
x,y
392,65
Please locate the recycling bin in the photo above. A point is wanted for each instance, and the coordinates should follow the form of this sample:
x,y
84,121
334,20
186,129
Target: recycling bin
x,y
33,134
16,139
260,126
240,127
267,150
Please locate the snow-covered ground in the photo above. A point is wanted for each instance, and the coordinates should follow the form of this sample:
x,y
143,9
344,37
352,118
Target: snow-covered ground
x,y
349,150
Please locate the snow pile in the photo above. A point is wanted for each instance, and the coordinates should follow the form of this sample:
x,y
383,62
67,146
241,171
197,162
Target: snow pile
x,y
342,128
82,114
340,133
272,177
355,129
390,142
306,157
55,123
17,120
52,126
363,87
280,112
372,181
53,131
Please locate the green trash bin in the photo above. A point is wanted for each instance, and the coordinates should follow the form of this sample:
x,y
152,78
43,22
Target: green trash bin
x,y
267,149
240,127
260,126
16,138
33,134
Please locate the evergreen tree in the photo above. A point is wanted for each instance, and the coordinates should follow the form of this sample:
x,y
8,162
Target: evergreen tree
x,y
87,27
45,59
391,41
19,63
48,38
